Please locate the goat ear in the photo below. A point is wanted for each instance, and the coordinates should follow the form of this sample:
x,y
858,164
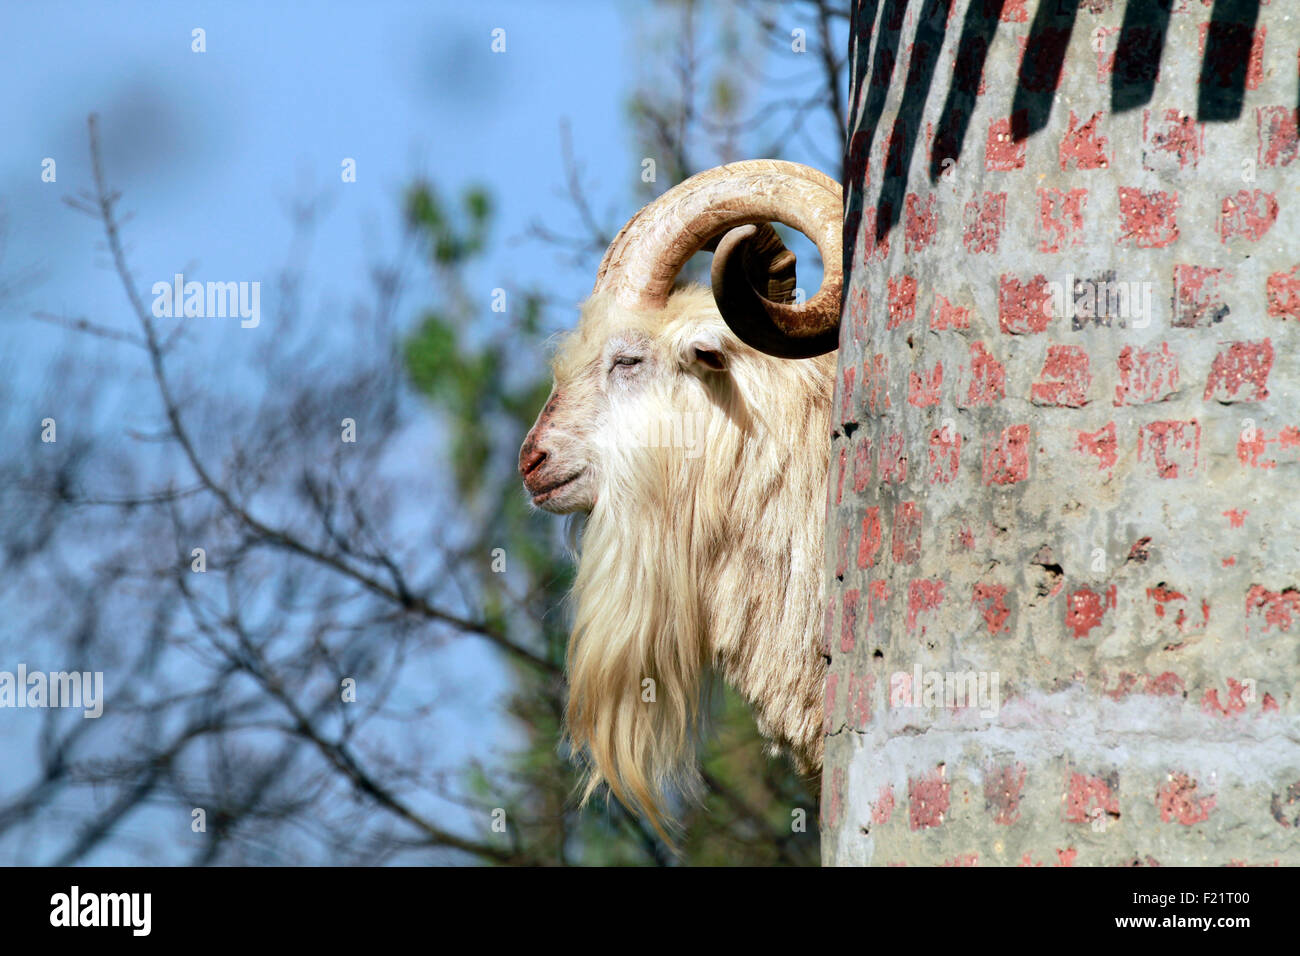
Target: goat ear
x,y
705,350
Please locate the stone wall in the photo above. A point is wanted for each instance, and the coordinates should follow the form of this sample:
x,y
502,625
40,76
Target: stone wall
x,y
1066,446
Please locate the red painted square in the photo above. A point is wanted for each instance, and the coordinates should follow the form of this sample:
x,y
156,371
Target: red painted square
x,y
1006,456
927,800
883,808
1237,702
869,543
1064,379
905,546
832,804
848,411
849,620
842,553
1060,218
1102,444
1086,608
1146,375
948,316
1282,291
1179,801
1240,372
858,700
1174,606
893,459
991,600
861,463
1023,307
983,221
1013,11
1148,220
1271,611
1198,297
1167,684
1253,442
1279,141
875,381
1002,152
859,307
987,379
1083,146
1172,142
1249,214
1170,449
1088,797
902,301
923,388
919,222
924,596
945,455
870,248
877,595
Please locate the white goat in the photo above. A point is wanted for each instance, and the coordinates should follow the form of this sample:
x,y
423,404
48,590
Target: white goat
x,y
701,464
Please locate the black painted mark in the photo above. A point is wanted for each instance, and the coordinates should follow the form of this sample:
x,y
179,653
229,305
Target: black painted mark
x,y
1137,56
1041,66
1226,62
907,122
977,31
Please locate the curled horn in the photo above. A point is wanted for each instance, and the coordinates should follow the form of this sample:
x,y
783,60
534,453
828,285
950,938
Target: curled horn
x,y
753,273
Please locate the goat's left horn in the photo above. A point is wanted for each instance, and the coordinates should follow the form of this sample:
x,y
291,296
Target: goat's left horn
x,y
749,265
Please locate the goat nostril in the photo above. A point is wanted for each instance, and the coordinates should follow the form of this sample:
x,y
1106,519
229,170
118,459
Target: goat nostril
x,y
530,460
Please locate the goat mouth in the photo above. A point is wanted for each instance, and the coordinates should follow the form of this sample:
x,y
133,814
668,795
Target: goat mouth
x,y
539,497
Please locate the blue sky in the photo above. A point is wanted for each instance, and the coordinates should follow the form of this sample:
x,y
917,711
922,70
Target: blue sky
x,y
209,148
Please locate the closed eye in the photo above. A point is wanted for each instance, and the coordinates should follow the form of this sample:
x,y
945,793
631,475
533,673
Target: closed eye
x,y
627,360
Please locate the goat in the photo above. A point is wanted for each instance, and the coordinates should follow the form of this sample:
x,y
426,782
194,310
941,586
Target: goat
x,y
700,463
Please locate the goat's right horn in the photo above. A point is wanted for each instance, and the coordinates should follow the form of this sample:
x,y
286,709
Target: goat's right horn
x,y
750,265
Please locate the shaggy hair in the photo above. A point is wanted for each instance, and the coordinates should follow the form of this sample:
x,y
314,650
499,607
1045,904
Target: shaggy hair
x,y
703,547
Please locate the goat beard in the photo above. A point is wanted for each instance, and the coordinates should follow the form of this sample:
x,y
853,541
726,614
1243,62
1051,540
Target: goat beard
x,y
639,650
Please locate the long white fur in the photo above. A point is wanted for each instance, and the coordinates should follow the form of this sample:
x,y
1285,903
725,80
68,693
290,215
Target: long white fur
x,y
693,557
